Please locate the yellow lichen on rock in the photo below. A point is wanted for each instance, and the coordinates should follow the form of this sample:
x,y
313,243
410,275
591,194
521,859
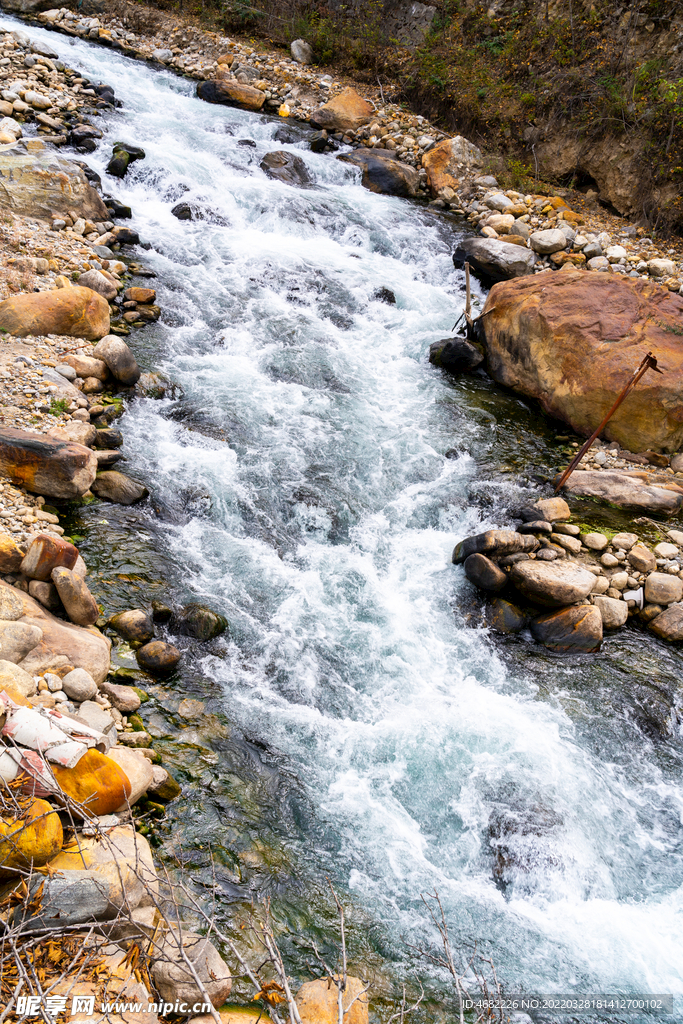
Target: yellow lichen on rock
x,y
31,840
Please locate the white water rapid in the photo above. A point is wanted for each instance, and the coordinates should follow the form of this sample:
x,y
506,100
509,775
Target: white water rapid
x,y
317,512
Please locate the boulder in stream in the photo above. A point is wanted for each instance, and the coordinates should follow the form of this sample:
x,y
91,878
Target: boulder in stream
x,y
554,583
118,488
287,168
573,339
494,543
118,357
484,573
575,630
455,355
383,172
122,156
231,94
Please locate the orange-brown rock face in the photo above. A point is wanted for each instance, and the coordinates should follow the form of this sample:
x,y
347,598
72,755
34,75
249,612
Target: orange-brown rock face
x,y
446,163
46,465
75,312
231,94
347,110
573,339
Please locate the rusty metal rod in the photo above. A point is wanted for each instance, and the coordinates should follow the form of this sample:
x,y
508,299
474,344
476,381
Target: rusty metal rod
x,y
649,362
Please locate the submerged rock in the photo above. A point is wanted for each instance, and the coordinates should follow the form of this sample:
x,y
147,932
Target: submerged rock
x,y
570,630
134,624
455,355
158,658
383,172
286,167
200,622
505,617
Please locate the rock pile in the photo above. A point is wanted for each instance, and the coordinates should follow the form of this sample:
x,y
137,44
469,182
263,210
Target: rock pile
x,y
592,580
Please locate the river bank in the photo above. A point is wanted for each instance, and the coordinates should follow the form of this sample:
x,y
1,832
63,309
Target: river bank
x,y
310,512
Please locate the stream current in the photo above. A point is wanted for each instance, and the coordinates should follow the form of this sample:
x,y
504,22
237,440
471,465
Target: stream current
x,y
300,487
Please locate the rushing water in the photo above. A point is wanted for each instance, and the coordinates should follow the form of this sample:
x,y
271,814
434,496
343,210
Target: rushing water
x,y
300,487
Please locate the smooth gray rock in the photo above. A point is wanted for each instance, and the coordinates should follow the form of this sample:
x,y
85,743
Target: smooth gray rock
x,y
120,361
493,259
118,488
99,283
549,241
286,167
172,977
614,613
79,685
302,52
554,584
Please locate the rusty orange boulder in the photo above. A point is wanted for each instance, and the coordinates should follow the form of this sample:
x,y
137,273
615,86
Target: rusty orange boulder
x,y
231,94
347,110
30,839
573,339
449,161
75,312
46,465
45,553
97,782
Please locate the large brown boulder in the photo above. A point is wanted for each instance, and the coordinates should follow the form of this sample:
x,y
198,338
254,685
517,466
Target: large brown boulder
x,y
231,94
383,172
76,312
627,490
347,110
449,161
573,339
576,630
46,465
39,183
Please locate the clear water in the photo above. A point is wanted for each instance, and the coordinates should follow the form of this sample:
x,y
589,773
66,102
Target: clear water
x,y
301,488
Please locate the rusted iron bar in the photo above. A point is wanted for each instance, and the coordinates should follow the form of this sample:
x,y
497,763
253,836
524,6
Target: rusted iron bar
x,y
649,363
